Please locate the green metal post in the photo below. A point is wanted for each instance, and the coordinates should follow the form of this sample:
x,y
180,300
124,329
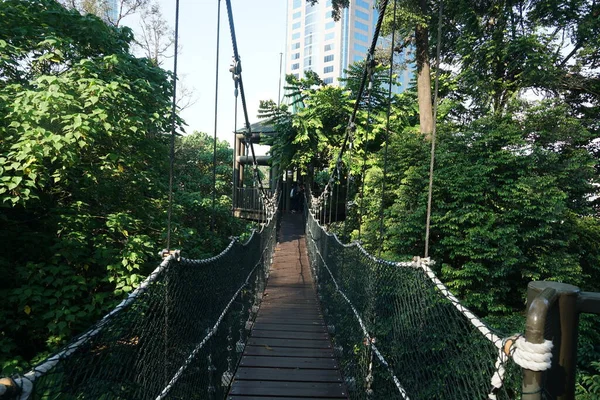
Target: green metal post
x,y
552,314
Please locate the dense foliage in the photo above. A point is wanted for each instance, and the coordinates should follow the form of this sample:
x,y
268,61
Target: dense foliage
x,y
515,183
84,164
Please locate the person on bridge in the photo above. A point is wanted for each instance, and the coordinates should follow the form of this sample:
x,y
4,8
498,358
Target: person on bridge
x,y
300,198
294,198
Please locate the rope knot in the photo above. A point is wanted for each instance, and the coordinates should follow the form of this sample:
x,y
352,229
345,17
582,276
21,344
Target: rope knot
x,y
532,356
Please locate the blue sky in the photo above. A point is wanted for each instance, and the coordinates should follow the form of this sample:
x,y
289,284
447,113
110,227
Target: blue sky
x,y
260,30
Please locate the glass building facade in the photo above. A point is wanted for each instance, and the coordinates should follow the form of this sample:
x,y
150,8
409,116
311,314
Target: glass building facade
x,y
315,41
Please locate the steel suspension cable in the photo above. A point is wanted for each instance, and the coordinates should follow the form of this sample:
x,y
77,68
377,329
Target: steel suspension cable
x,y
433,131
238,70
173,127
370,55
387,130
364,165
235,178
214,172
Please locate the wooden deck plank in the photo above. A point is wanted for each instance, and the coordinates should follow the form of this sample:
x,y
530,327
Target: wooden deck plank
x,y
284,374
230,397
306,389
298,343
287,321
289,355
289,334
287,352
289,362
263,326
283,313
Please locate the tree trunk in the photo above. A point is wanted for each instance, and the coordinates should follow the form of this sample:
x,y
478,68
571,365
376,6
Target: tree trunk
x,y
424,76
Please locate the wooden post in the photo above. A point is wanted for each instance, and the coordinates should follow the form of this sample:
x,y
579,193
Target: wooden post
x,y
552,314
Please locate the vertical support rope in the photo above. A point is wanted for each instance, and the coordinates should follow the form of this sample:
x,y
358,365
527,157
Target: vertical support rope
x,y
364,165
238,68
214,172
433,133
347,200
387,130
173,126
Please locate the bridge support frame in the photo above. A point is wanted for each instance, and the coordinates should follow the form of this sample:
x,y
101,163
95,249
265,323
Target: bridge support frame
x,y
553,313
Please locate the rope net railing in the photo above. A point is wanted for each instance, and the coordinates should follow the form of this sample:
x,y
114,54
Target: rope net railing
x,y
399,333
179,335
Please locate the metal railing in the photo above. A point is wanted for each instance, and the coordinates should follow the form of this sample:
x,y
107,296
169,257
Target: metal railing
x,y
249,199
553,313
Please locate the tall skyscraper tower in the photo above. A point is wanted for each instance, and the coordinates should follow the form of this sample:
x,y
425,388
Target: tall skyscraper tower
x,y
112,11
315,41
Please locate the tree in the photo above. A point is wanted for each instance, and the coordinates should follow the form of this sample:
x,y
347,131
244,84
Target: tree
x,y
105,10
84,166
156,38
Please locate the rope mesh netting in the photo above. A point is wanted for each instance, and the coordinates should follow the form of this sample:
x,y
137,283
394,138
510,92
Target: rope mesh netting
x,y
180,335
396,333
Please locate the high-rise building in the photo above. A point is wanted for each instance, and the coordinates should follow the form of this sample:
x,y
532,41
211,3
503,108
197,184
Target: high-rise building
x,y
111,10
316,42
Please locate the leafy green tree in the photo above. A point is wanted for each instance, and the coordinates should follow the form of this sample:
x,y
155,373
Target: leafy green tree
x,y
83,175
511,202
193,196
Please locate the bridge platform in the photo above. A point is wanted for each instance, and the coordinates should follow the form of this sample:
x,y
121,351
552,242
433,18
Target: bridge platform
x,y
289,353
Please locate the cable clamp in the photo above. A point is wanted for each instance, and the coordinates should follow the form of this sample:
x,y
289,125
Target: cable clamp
x,y
168,253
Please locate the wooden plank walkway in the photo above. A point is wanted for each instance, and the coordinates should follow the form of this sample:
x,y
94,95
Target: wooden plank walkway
x,y
289,353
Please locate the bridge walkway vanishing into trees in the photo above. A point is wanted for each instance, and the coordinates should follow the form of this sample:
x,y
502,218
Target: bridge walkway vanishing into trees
x,y
289,353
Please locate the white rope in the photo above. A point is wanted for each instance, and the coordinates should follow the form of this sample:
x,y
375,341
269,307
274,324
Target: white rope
x,y
211,332
380,357
423,263
536,357
532,356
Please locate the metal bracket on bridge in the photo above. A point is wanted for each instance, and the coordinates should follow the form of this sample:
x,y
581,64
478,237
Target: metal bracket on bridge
x,y
166,253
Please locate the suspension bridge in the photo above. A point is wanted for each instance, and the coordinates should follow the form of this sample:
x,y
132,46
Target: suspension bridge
x,y
294,313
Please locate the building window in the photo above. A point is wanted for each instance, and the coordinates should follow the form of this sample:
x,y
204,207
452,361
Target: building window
x,y
295,66
295,56
361,15
296,36
329,36
328,58
328,81
361,37
328,4
296,26
328,69
296,46
361,26
358,58
307,62
360,48
328,47
329,25
363,4
297,15
310,18
297,3
297,76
